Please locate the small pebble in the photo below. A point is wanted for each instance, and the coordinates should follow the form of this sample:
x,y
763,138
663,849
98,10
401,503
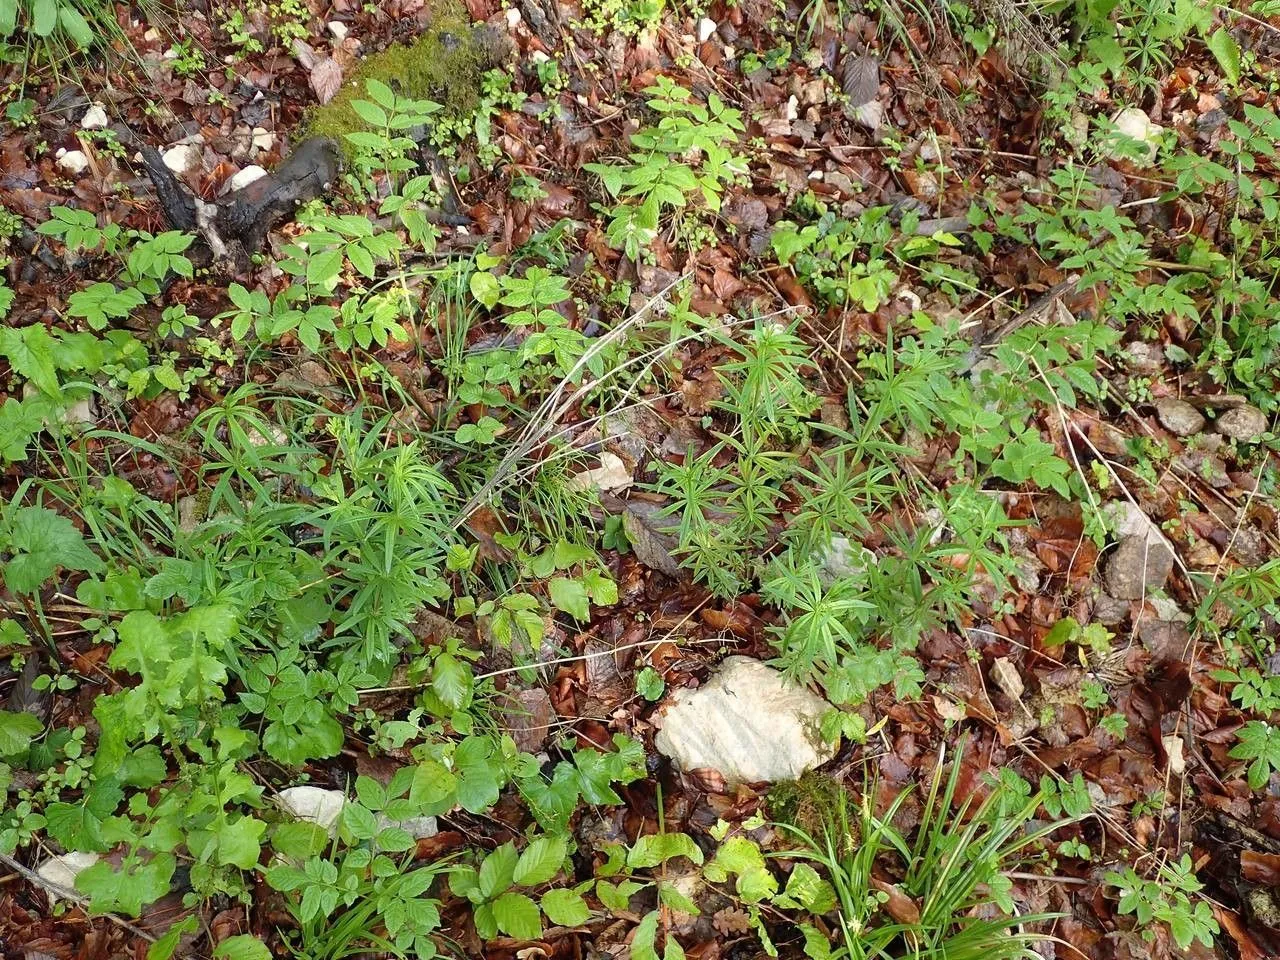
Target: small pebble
x,y
706,27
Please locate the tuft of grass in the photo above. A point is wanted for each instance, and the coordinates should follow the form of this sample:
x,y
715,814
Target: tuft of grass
x,y
951,898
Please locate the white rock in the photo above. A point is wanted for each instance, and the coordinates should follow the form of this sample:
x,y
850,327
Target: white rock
x,y
1136,125
1177,759
63,869
72,162
338,29
513,18
539,56
706,27
324,807
612,474
316,804
263,139
747,722
417,827
95,118
245,177
843,558
183,158
151,36
792,109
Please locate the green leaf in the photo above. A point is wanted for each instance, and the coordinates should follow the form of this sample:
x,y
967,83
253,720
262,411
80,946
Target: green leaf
x,y
359,821
451,681
17,730
540,861
31,353
44,17
517,916
240,842
571,597
478,774
498,870
241,947
806,890
670,894
642,943
649,684
163,948
484,287
657,848
380,92
299,839
40,542
617,896
128,890
1227,52
565,907
75,26
9,21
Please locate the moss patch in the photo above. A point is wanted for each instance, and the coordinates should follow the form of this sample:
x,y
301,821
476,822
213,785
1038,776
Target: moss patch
x,y
811,803
445,64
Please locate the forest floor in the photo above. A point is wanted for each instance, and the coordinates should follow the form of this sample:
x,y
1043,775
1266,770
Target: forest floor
x,y
374,530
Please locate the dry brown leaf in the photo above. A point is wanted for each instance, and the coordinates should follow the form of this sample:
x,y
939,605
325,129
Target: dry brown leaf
x,y
730,921
326,79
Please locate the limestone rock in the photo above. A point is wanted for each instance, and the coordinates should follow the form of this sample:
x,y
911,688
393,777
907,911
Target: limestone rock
x,y
316,804
184,157
63,869
1136,125
245,177
95,118
1179,417
1244,423
746,722
72,162
324,807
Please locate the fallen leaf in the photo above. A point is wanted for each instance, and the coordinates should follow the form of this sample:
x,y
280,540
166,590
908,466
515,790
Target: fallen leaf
x,y
326,79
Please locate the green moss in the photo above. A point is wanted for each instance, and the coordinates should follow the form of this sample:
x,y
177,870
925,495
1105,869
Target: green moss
x,y
811,803
445,64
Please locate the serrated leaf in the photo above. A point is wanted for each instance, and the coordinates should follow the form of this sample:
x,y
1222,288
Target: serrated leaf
x,y
31,353
517,916
497,870
41,542
1227,52
540,861
17,730
565,907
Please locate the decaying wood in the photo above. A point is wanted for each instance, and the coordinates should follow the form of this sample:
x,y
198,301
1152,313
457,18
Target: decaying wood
x,y
235,226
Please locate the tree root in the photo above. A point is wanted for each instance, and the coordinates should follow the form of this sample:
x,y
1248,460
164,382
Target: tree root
x,y
234,227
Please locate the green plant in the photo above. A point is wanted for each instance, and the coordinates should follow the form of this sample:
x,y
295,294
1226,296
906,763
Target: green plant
x,y
1166,900
1259,743
952,872
52,28
498,903
658,176
366,898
